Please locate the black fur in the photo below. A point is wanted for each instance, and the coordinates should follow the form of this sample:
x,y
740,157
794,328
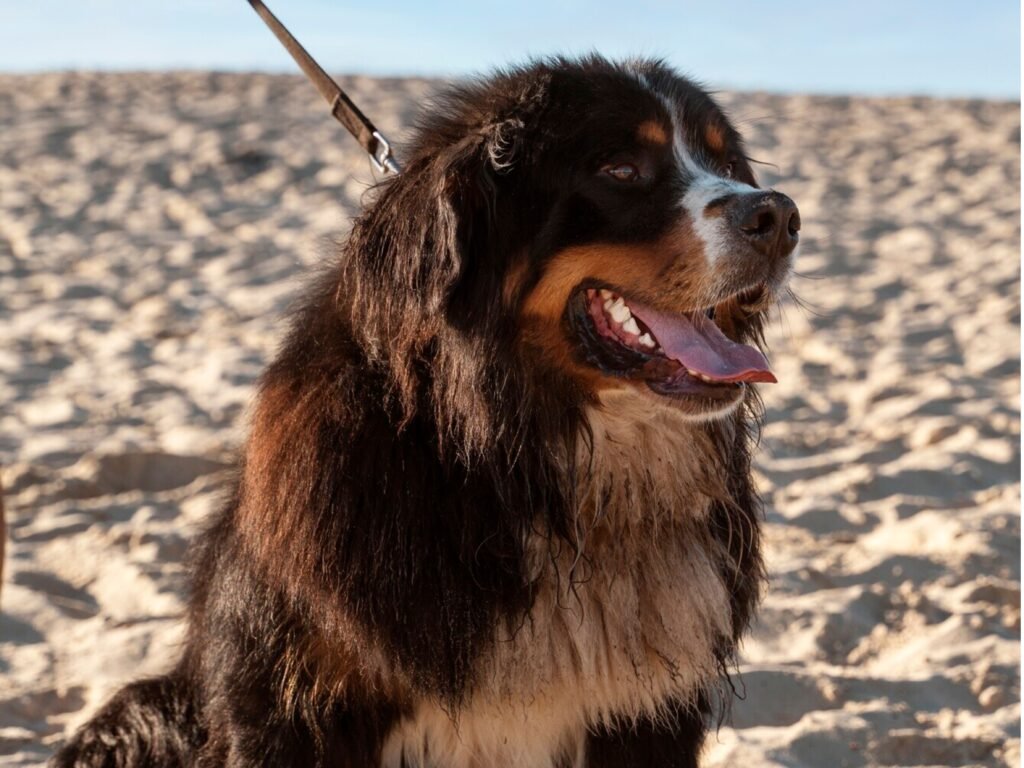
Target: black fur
x,y
150,722
671,742
408,439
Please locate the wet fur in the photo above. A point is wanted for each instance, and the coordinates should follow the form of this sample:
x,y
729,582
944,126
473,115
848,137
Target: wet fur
x,y
443,548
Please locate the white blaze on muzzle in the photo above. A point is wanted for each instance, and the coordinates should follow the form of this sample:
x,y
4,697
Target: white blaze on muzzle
x,y
714,230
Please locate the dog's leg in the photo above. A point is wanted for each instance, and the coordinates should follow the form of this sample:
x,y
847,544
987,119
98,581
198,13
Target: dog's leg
x,y
260,715
248,744
671,741
150,723
338,736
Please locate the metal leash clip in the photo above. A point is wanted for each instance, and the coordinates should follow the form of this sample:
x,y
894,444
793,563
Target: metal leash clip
x,y
382,158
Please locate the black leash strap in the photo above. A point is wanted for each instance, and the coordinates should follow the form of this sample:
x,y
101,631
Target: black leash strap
x,y
342,108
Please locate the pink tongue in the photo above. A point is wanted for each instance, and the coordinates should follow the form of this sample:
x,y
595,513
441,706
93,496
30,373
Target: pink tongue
x,y
700,345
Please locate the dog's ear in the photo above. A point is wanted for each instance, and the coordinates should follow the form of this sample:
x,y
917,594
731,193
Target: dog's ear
x,y
417,236
470,177
424,264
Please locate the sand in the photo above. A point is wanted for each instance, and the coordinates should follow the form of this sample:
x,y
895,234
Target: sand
x,y
154,227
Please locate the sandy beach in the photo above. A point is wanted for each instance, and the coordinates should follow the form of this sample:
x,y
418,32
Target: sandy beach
x,y
153,228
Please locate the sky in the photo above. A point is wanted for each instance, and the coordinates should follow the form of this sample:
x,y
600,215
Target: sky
x,y
885,47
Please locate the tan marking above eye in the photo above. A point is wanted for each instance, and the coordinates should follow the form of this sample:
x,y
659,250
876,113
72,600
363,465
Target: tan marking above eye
x,y
653,132
715,138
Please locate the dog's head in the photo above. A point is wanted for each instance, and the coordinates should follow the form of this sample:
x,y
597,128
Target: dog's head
x,y
597,222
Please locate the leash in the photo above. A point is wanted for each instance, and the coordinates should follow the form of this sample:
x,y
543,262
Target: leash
x,y
342,108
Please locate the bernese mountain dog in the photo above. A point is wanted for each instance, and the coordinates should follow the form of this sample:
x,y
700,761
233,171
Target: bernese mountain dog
x,y
495,508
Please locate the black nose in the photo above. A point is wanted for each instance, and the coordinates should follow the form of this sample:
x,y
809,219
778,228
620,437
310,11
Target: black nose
x,y
769,221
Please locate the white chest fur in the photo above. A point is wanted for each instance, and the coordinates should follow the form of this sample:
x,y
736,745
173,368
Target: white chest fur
x,y
632,626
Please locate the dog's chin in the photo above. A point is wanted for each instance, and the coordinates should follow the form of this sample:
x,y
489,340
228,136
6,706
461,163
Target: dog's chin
x,y
684,359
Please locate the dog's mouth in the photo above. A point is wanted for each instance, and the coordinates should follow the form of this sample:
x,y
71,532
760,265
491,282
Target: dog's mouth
x,y
675,354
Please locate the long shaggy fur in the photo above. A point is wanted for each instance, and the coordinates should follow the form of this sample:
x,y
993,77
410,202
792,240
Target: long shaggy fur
x,y
443,548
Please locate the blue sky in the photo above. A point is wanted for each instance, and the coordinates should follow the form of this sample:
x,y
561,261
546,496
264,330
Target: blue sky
x,y
964,48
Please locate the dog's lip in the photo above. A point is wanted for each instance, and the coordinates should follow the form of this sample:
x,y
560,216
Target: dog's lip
x,y
679,352
750,299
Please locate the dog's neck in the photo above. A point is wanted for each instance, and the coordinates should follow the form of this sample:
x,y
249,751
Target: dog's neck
x,y
647,462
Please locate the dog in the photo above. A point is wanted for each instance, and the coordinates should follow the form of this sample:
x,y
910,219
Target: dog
x,y
495,507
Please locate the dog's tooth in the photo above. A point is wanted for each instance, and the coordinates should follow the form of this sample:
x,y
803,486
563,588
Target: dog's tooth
x,y
647,341
607,305
605,293
620,312
630,326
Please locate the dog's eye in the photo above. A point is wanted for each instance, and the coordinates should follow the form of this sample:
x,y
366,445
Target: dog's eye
x,y
622,171
730,169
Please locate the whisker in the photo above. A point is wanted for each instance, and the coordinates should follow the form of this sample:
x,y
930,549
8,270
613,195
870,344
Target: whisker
x,y
765,163
784,321
808,276
806,305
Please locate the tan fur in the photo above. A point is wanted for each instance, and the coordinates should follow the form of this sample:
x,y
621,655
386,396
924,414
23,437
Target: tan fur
x,y
715,137
670,273
337,666
652,132
613,635
514,280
